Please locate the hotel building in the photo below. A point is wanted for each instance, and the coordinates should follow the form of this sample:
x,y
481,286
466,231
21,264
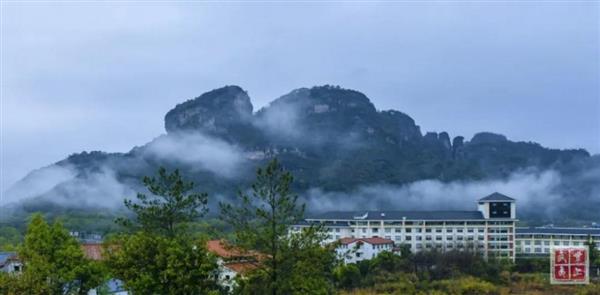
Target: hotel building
x,y
538,241
490,229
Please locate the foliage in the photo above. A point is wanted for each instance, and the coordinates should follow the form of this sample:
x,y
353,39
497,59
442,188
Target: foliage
x,y
593,250
10,237
154,264
211,229
170,206
162,257
592,289
293,263
396,283
54,263
532,265
347,276
466,286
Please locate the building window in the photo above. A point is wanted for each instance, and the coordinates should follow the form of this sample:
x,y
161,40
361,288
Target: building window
x,y
388,230
375,230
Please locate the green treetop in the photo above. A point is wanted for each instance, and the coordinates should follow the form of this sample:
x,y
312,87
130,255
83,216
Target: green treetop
x,y
293,263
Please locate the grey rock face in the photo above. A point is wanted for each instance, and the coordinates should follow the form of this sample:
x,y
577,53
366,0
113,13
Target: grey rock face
x,y
213,112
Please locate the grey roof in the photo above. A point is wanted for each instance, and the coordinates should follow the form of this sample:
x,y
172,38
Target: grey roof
x,y
115,286
557,231
4,256
497,197
398,215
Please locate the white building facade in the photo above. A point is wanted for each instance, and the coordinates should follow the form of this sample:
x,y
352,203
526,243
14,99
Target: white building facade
x,y
538,241
490,229
10,263
353,250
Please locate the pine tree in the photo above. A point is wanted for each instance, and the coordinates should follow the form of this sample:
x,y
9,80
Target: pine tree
x,y
171,204
160,257
294,263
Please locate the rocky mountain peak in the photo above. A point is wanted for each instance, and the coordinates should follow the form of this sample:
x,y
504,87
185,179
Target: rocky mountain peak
x,y
214,111
488,137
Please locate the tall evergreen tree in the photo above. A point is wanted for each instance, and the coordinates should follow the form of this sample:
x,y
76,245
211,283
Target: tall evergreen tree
x,y
171,204
262,222
160,257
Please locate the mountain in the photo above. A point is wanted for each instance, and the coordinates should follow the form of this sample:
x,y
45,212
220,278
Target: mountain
x,y
333,140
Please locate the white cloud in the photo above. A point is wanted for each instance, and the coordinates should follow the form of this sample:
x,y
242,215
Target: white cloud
x,y
38,182
195,149
531,189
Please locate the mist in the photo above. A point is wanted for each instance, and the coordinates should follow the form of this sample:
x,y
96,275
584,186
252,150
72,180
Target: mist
x,y
199,151
62,185
539,194
38,182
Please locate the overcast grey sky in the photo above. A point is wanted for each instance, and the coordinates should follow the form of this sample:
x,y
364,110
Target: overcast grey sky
x,y
101,76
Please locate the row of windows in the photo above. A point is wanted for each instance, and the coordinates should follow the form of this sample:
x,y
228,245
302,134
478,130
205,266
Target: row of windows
x,y
547,243
414,223
427,230
380,246
447,246
556,237
535,250
420,230
431,238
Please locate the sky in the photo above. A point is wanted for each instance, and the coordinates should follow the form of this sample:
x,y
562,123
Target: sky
x,y
101,75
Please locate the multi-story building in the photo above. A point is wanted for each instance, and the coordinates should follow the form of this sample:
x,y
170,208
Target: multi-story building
x,y
538,241
352,250
490,229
